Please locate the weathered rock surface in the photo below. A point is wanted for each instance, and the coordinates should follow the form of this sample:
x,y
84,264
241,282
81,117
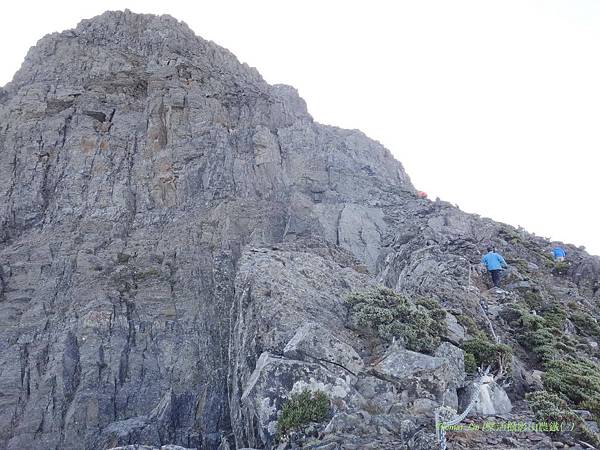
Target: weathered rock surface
x,y
177,239
136,163
145,447
491,400
314,343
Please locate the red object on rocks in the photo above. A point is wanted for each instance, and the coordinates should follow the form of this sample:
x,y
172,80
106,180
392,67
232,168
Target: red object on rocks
x,y
421,194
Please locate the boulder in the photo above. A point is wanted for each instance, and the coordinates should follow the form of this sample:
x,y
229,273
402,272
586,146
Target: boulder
x,y
275,379
491,399
456,332
456,359
379,395
421,374
314,343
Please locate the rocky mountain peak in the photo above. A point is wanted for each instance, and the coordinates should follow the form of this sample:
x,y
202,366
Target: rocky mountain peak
x,y
184,250
114,41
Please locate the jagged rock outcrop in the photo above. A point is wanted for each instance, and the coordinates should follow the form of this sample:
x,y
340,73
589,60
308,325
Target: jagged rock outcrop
x,y
137,161
177,240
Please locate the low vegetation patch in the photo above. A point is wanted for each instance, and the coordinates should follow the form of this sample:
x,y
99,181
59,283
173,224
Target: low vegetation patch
x,y
469,324
302,409
145,274
482,352
560,267
533,298
510,235
419,326
470,363
520,264
576,380
549,407
570,381
541,334
586,324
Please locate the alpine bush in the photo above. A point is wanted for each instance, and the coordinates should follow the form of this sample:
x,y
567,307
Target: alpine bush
x,y
302,409
420,326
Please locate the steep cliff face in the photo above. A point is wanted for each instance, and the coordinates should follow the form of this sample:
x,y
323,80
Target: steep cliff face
x,y
175,232
137,161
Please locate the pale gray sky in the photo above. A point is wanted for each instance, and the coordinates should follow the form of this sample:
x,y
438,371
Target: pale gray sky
x,y
492,105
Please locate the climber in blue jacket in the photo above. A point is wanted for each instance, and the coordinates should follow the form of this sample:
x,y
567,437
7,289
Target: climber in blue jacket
x,y
559,254
494,263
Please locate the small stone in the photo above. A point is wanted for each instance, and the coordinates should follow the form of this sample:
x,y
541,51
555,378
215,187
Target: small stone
x,y
584,414
593,426
535,437
330,446
510,441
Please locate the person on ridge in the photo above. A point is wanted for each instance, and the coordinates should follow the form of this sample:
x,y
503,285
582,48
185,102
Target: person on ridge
x,y
559,254
494,263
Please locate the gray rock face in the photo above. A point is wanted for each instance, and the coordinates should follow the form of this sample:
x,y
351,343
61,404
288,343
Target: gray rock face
x,y
177,239
275,379
430,380
313,342
492,399
456,333
136,162
145,447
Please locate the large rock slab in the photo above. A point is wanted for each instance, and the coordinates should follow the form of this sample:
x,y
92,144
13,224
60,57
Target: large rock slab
x,y
280,291
456,332
425,375
456,362
275,379
313,342
491,400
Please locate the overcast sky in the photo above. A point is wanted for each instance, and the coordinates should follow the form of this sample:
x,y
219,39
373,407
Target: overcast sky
x,y
492,105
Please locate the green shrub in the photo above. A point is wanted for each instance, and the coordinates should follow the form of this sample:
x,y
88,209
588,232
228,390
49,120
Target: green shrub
x,y
585,323
388,315
123,258
520,264
533,298
510,235
575,379
573,305
437,314
511,314
302,409
549,407
555,317
542,342
470,363
469,324
560,267
543,334
487,353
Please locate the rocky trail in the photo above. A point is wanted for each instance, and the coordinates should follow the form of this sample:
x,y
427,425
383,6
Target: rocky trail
x,y
189,260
